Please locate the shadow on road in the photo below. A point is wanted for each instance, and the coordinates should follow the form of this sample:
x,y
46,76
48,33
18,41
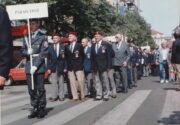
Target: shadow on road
x,y
173,119
172,88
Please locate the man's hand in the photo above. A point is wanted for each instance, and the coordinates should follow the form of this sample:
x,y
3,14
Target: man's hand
x,y
124,64
157,62
2,81
65,70
30,51
33,69
49,71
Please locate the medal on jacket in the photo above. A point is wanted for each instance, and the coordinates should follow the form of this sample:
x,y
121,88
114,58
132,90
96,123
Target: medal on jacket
x,y
62,54
88,55
77,54
103,49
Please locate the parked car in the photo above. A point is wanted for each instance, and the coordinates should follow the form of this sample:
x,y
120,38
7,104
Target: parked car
x,y
18,73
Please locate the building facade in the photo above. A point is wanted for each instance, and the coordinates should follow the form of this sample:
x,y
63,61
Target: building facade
x,y
158,37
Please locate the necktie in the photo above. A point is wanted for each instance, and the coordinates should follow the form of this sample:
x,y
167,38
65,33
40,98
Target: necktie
x,y
55,48
71,47
97,47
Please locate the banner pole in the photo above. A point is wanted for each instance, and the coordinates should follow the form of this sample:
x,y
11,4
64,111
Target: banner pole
x,y
31,60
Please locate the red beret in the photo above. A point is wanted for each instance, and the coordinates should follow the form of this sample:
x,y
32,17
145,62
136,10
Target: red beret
x,y
99,33
64,40
55,34
72,33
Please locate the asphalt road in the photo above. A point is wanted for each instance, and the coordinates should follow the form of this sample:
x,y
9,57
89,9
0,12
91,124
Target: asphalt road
x,y
151,103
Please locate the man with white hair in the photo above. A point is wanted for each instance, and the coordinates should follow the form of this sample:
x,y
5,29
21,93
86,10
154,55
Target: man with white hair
x,y
162,60
122,56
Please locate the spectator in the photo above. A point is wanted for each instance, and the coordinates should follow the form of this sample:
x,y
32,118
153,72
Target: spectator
x,y
5,47
175,59
162,60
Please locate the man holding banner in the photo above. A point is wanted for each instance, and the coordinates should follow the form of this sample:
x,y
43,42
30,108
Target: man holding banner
x,y
38,51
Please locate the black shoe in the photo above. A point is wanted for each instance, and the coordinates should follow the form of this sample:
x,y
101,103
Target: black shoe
x,y
33,114
105,99
97,99
54,99
41,112
125,91
113,96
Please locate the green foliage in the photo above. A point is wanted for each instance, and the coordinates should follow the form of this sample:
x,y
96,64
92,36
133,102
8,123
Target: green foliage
x,y
86,17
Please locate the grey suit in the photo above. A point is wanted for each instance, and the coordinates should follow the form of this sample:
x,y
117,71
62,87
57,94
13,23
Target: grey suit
x,y
122,55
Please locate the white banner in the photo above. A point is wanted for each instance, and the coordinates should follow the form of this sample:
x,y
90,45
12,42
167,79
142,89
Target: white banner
x,y
27,11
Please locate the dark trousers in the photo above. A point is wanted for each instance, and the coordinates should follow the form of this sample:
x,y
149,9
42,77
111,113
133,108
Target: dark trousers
x,y
129,77
121,77
38,95
139,72
134,74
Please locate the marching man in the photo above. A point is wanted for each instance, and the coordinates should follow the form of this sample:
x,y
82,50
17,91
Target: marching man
x,y
38,52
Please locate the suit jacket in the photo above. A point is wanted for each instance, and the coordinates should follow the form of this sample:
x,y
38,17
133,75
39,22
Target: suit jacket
x,y
40,51
6,48
75,58
87,60
122,54
57,63
176,52
101,61
134,59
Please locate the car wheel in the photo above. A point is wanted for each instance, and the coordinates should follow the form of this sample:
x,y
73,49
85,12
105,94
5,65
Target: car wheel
x,y
9,81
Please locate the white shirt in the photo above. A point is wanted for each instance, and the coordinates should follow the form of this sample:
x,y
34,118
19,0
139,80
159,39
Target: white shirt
x,y
98,44
34,33
85,49
72,46
164,54
57,48
119,44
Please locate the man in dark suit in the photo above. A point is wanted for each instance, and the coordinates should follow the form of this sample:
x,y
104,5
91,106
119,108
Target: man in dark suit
x,y
5,47
88,67
120,62
145,62
38,52
101,63
57,67
175,59
75,56
133,61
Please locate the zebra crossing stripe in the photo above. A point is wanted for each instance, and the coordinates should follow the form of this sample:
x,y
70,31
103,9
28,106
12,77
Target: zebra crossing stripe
x,y
124,111
70,113
171,105
15,104
15,97
24,113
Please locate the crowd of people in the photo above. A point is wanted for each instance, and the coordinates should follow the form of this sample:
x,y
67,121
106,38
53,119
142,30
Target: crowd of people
x,y
91,68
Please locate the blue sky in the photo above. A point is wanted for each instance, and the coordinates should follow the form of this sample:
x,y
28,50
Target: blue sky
x,y
163,15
